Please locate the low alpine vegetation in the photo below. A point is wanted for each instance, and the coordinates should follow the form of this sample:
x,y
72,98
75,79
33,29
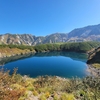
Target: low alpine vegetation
x,y
17,87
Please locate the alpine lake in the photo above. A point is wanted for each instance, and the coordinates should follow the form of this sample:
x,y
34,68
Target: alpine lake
x,y
62,64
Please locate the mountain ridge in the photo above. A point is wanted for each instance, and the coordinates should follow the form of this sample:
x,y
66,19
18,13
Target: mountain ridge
x,y
88,33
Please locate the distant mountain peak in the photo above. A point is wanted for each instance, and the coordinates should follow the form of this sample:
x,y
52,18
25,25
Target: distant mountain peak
x,y
88,33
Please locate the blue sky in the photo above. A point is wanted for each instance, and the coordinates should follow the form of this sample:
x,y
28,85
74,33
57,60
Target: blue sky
x,y
43,17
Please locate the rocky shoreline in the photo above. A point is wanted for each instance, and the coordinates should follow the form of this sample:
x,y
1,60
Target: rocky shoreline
x,y
92,70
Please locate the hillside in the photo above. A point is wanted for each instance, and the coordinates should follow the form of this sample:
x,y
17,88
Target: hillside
x,y
83,47
14,50
88,33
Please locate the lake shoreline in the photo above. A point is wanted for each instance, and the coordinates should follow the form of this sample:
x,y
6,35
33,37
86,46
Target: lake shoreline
x,y
92,70
6,60
64,64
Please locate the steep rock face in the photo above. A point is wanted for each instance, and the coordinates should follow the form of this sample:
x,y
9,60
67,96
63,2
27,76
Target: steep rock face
x,y
94,56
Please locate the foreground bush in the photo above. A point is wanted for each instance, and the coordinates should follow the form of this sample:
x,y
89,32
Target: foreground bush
x,y
17,87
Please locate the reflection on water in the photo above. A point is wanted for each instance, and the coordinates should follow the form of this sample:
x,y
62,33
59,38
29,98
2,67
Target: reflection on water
x,y
63,64
13,58
73,55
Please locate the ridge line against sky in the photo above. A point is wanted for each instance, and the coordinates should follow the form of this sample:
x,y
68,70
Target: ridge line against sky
x,y
43,17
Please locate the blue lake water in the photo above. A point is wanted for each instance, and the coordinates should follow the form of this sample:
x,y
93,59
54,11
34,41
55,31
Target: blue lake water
x,y
63,64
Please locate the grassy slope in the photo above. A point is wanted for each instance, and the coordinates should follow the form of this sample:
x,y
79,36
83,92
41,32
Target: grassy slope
x,y
7,51
77,47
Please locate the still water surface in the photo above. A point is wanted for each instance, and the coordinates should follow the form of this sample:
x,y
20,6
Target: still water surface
x,y
63,64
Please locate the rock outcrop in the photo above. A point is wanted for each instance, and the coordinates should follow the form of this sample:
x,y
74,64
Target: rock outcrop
x,y
94,56
94,62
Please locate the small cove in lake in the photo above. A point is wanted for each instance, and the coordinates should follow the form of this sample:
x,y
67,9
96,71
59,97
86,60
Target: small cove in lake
x,y
63,64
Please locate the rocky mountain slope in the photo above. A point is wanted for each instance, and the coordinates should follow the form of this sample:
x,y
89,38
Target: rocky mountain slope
x,y
94,62
20,39
30,39
94,56
89,33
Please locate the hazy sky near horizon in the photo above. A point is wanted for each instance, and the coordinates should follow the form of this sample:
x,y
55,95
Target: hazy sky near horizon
x,y
43,17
